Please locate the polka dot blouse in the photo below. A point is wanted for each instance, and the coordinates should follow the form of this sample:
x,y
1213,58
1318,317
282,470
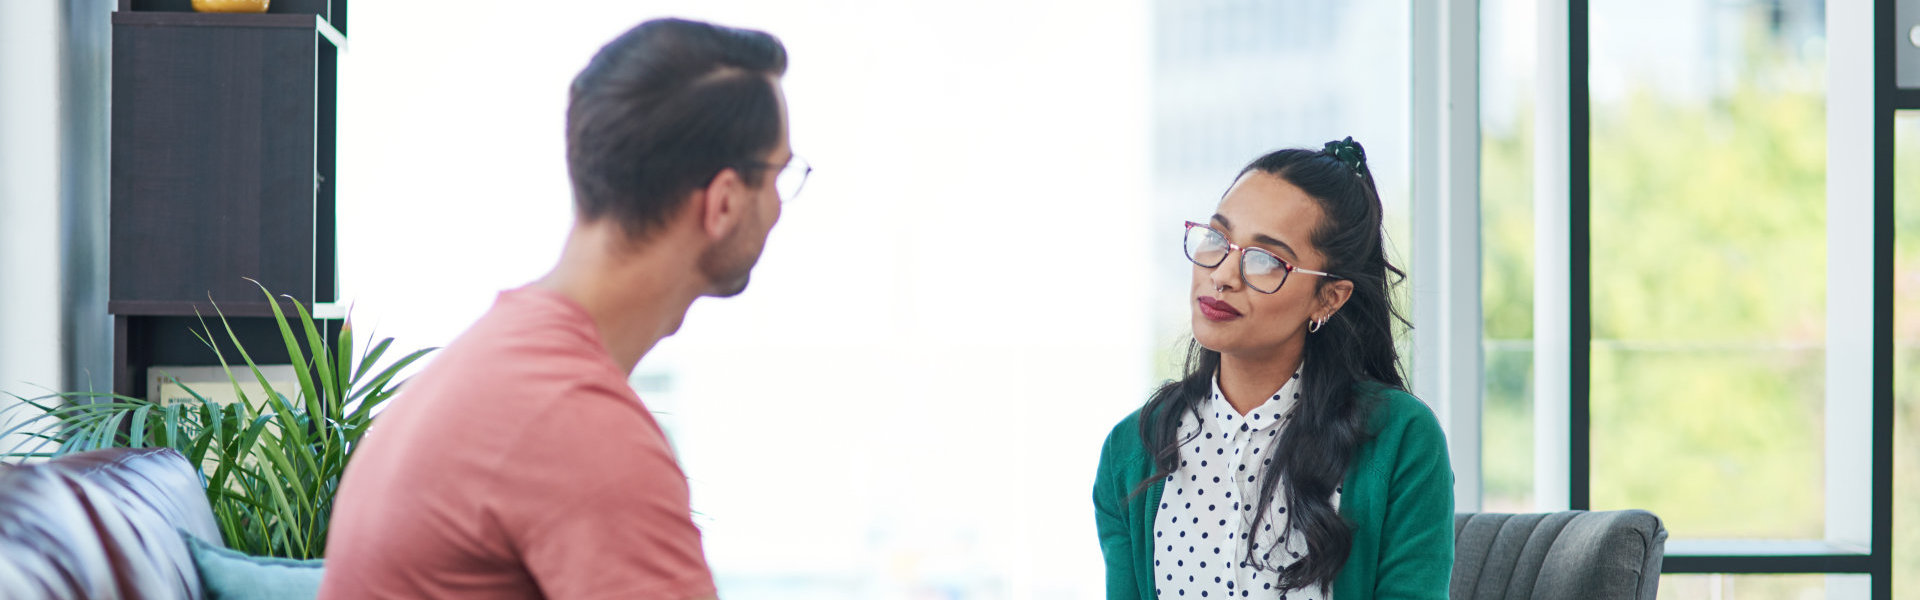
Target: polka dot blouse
x,y
1206,506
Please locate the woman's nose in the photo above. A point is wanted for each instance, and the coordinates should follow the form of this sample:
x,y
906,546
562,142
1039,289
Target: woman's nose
x,y
1227,275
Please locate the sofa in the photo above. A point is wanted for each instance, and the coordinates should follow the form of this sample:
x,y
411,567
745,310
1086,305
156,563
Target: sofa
x,y
103,524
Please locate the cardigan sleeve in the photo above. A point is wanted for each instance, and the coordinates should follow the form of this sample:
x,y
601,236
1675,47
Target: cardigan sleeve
x,y
1110,515
1416,541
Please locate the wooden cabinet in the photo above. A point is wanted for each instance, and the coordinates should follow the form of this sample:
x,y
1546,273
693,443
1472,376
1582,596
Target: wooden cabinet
x,y
223,170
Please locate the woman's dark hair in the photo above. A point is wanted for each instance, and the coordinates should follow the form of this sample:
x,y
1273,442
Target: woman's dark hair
x,y
662,109
1354,348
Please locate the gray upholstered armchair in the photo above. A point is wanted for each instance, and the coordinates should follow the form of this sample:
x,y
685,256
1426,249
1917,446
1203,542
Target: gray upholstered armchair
x,y
1573,554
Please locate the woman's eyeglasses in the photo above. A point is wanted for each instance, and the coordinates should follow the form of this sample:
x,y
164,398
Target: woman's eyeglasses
x,y
1262,271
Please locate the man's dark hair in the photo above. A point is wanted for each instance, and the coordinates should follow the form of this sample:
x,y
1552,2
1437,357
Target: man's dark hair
x,y
663,109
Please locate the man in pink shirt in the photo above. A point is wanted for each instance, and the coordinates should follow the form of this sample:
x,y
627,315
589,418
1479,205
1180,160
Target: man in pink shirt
x,y
520,464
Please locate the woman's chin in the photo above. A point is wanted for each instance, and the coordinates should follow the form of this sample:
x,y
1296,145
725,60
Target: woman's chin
x,y
1209,334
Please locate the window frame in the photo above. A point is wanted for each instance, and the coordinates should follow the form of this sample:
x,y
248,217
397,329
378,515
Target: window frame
x,y
1860,358
1862,102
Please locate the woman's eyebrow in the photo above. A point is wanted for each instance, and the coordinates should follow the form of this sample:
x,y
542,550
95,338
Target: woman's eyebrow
x,y
1258,238
1261,238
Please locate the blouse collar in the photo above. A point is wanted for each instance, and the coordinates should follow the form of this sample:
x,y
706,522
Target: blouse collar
x,y
1274,410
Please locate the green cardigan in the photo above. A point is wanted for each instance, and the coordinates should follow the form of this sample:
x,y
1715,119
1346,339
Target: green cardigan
x,y
1397,498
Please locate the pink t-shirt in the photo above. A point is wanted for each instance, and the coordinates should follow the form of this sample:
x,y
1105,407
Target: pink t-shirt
x,y
519,464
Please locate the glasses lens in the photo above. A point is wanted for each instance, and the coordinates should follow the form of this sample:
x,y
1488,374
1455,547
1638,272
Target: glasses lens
x,y
792,178
1205,247
1264,272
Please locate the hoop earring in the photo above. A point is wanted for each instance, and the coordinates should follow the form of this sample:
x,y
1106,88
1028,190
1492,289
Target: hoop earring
x,y
1314,325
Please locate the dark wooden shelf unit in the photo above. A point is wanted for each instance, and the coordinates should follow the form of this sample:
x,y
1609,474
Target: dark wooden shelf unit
x,y
222,174
333,12
144,341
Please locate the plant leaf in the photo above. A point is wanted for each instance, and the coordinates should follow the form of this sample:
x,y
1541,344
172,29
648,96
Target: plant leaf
x,y
372,356
343,369
138,435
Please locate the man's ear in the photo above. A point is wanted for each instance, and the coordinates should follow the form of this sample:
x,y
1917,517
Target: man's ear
x,y
1334,295
722,204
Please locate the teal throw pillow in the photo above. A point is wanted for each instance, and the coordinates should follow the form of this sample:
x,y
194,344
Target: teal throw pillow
x,y
225,573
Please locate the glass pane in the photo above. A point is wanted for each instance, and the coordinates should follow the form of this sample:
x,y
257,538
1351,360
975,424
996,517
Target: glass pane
x,y
1235,79
1506,252
1709,264
1763,587
1906,355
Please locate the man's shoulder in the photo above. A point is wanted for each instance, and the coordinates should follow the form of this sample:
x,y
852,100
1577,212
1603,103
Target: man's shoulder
x,y
521,353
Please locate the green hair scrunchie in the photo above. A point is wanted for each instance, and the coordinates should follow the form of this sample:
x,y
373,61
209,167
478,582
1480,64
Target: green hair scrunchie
x,y
1348,153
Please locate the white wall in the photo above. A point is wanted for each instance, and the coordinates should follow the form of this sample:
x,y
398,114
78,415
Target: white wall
x,y
54,331
29,190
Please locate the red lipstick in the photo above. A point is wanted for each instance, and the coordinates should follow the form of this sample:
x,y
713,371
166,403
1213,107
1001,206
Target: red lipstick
x,y
1215,309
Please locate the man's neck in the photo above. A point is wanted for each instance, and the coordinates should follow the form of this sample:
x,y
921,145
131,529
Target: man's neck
x,y
635,297
1249,381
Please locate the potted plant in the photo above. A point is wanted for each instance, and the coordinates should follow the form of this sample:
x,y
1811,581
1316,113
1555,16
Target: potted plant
x,y
271,466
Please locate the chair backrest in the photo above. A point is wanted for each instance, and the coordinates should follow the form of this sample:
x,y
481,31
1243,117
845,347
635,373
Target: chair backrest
x,y
102,524
1572,554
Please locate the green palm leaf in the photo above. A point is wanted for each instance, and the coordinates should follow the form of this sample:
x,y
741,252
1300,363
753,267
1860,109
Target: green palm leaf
x,y
270,462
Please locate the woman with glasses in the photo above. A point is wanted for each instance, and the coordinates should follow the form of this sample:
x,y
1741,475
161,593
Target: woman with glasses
x,y
1289,461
